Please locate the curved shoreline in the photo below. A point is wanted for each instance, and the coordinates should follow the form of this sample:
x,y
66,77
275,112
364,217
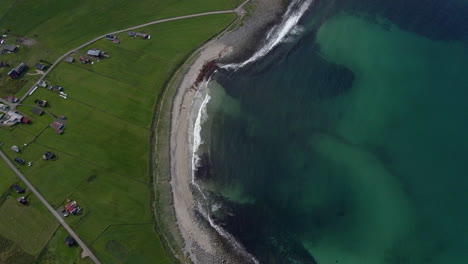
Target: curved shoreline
x,y
201,244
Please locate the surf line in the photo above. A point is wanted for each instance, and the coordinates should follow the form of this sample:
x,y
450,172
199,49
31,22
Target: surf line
x,y
278,33
275,36
203,206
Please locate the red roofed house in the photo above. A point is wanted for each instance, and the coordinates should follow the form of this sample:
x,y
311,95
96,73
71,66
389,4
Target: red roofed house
x,y
72,208
24,120
58,127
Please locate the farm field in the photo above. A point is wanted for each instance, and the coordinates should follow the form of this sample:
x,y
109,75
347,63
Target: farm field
x,y
103,154
46,29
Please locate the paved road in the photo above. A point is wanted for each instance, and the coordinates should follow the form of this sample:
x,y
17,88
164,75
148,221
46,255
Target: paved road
x,y
72,233
237,10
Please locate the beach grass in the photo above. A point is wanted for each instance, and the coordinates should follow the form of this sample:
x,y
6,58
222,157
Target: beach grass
x,y
103,154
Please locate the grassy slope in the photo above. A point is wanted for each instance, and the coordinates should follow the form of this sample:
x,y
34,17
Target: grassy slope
x,y
103,155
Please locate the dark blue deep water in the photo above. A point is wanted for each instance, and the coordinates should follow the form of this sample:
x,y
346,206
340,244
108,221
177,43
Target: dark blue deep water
x,y
348,143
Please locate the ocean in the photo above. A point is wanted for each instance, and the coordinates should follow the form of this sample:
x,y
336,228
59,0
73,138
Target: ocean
x,y
345,139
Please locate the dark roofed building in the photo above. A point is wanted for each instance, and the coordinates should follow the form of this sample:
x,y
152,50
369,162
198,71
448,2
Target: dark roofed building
x,y
37,111
17,188
58,88
131,34
9,48
69,241
22,67
14,73
40,66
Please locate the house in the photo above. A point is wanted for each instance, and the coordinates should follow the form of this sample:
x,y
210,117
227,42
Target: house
x,y
131,34
17,188
69,59
24,120
13,117
12,99
48,155
10,48
72,208
69,241
39,66
15,72
3,107
95,53
37,111
56,125
58,88
15,148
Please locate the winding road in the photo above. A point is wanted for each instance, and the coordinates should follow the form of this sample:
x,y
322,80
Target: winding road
x,y
86,251
238,11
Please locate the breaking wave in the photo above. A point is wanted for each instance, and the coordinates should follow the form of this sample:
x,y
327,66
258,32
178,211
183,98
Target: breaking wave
x,y
197,141
278,33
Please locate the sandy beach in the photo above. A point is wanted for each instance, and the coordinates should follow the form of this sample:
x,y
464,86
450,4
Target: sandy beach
x,y
202,243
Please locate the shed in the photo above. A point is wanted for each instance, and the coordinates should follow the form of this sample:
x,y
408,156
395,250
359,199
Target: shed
x,y
39,66
15,148
58,88
131,34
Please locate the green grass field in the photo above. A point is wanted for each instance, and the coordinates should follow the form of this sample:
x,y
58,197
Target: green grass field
x,y
132,244
103,155
56,26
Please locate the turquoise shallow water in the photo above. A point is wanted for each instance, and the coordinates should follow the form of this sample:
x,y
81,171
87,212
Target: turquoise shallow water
x,y
347,144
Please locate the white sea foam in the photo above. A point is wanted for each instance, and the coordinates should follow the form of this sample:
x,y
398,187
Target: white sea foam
x,y
197,140
278,33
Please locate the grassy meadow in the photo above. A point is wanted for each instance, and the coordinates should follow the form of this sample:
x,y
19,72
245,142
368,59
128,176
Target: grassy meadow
x,y
103,155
